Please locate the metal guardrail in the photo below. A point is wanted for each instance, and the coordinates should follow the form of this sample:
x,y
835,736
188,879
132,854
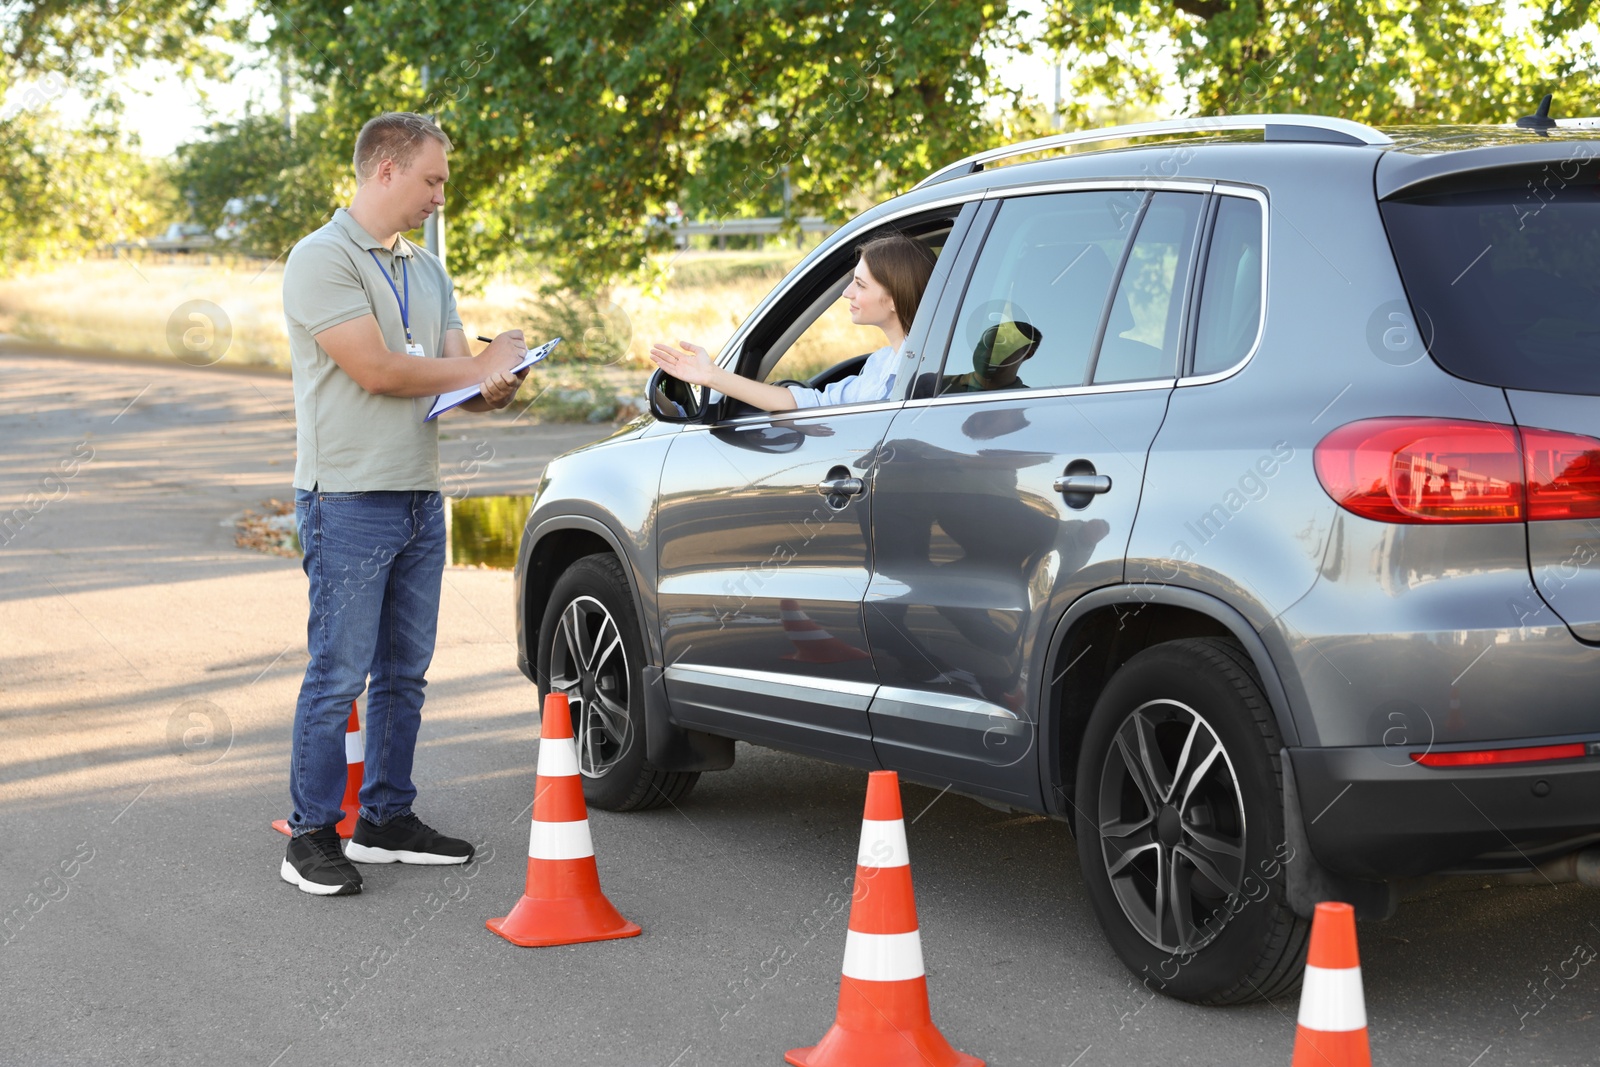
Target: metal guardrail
x,y
767,226
162,244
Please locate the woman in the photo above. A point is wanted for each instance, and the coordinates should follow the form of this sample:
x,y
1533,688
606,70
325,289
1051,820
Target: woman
x,y
885,291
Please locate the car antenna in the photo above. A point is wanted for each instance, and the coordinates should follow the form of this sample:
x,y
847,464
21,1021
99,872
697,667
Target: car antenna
x,y
1540,120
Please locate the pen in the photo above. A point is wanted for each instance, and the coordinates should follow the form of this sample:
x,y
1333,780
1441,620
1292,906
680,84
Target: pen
x,y
486,340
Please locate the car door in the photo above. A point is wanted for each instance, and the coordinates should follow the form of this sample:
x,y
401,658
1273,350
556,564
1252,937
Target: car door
x,y
1012,478
763,524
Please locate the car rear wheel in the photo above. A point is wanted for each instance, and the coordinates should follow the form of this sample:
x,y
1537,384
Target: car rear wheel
x,y
1180,826
590,649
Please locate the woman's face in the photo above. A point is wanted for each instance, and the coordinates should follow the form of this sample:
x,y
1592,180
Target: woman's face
x,y
870,304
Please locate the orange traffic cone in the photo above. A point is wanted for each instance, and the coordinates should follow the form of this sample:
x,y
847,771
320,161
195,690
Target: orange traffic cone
x,y
562,904
355,762
883,1018
813,644
1332,1031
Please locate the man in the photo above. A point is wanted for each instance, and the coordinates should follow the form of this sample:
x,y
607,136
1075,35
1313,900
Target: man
x,y
373,337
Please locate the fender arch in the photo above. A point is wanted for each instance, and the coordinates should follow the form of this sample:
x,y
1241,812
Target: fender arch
x,y
1126,619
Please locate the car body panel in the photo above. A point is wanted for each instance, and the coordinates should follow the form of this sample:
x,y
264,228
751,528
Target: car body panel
x,y
1564,554
759,572
975,551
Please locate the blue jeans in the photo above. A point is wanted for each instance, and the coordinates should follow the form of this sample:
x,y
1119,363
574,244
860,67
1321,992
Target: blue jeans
x,y
375,562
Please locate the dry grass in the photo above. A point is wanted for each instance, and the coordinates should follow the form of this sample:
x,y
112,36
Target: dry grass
x,y
132,307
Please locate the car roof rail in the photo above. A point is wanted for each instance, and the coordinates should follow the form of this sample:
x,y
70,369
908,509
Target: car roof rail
x,y
1591,122
1319,128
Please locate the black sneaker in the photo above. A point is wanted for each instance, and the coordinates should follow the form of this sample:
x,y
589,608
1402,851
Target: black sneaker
x,y
404,839
315,864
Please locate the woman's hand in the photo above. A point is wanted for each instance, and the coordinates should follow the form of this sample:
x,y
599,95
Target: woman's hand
x,y
693,365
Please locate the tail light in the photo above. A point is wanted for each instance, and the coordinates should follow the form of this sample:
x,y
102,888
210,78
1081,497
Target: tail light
x,y
1563,475
1419,470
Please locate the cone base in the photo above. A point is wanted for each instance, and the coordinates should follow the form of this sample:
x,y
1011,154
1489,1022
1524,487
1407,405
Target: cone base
x,y
538,923
1322,1048
840,1048
885,1024
346,827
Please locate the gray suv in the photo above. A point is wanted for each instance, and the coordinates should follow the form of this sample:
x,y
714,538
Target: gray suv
x,y
1235,504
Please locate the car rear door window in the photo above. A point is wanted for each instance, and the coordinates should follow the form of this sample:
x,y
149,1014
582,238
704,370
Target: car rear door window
x,y
1503,281
1145,327
1033,306
1230,289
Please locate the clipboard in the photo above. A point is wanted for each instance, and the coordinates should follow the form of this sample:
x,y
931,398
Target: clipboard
x,y
457,397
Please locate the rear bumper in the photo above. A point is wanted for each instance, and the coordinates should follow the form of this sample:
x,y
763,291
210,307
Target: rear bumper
x,y
1372,813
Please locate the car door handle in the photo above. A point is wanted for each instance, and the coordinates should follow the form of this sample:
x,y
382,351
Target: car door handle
x,y
1083,483
841,486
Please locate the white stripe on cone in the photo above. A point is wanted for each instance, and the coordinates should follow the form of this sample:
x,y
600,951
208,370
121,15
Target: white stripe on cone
x,y
560,840
809,635
1331,1000
558,757
883,843
355,746
882,957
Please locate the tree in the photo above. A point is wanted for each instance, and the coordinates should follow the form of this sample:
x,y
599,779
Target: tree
x,y
1373,61
278,185
576,122
64,192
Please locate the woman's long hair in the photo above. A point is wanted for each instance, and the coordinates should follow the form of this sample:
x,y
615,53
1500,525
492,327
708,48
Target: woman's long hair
x,y
901,265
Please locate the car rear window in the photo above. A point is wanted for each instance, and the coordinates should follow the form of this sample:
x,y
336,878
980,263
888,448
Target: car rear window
x,y
1505,282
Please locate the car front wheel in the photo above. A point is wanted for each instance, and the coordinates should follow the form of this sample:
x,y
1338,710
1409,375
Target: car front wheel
x,y
1180,826
590,650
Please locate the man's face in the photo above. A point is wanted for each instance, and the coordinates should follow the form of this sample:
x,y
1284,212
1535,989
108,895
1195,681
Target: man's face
x,y
418,190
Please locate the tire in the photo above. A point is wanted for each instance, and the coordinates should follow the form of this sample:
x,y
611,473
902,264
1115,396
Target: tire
x,y
1190,895
590,648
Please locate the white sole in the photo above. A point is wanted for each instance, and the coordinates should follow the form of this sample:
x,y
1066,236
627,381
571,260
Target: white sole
x,y
368,854
292,876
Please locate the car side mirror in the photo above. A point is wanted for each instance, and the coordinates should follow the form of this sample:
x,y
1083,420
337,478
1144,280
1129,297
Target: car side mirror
x,y
672,400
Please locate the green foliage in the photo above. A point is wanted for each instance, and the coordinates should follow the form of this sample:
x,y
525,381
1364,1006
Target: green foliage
x,y
280,186
576,122
88,41
63,193
579,123
1375,62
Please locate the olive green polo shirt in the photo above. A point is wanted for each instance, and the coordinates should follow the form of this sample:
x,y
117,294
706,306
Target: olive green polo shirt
x,y
349,440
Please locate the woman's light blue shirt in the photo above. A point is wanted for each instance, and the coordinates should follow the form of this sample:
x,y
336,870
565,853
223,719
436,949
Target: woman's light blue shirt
x,y
875,381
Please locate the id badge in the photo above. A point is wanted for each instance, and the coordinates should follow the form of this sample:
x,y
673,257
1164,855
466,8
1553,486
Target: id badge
x,y
414,349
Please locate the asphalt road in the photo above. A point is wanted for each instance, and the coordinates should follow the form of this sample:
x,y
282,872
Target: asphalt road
x,y
148,670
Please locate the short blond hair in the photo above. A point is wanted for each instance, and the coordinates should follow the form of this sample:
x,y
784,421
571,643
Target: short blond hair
x,y
395,135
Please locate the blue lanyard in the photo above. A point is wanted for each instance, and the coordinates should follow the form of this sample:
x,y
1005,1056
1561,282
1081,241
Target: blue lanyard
x,y
404,302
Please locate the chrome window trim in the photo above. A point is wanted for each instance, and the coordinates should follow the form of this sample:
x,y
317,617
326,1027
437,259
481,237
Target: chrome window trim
x,y
851,696
1261,321
1090,185
1042,394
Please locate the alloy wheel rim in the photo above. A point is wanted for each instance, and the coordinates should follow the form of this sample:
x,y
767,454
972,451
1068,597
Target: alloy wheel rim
x,y
1172,826
589,664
